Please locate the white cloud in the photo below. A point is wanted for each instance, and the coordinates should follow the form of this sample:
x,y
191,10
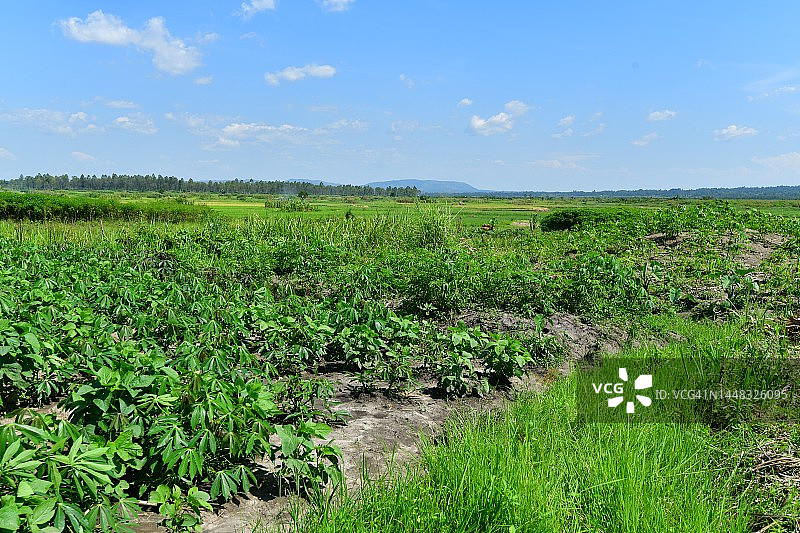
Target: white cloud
x,y
50,121
224,132
232,135
337,5
500,122
407,81
121,104
786,89
563,135
516,108
645,140
464,102
495,124
566,121
207,38
734,132
205,80
252,7
170,54
343,125
404,125
6,154
136,122
658,116
298,73
789,162
83,157
597,116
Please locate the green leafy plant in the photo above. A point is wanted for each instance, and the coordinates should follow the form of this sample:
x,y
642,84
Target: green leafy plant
x,y
181,511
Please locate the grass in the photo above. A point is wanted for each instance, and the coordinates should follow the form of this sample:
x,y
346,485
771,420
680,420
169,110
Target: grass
x,y
530,467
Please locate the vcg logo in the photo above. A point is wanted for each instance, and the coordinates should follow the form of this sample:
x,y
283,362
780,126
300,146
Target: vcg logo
x,y
645,381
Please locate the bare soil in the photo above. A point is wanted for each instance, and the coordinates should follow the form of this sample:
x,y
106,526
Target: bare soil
x,y
387,430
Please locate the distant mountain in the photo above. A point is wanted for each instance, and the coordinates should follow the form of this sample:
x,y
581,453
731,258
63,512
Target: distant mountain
x,y
429,186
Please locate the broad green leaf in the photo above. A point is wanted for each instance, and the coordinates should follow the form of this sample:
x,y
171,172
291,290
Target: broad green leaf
x,y
9,517
33,341
43,512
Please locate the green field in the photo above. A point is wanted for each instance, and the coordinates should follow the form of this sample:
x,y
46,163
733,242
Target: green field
x,y
168,367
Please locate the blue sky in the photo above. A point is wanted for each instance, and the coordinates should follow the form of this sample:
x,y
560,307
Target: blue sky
x,y
502,95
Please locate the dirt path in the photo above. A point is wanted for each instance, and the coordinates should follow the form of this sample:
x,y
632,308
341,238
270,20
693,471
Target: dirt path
x,y
384,430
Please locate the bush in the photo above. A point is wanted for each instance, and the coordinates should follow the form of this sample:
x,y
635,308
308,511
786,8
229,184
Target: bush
x,y
38,207
567,219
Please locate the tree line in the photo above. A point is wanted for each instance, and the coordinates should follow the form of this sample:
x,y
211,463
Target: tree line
x,y
151,182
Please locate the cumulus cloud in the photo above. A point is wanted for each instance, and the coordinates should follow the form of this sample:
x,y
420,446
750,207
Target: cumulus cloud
x,y
501,122
83,157
205,80
789,162
136,122
566,121
495,124
645,140
337,5
464,102
658,116
223,132
235,133
170,54
734,132
50,121
6,154
252,7
298,73
516,108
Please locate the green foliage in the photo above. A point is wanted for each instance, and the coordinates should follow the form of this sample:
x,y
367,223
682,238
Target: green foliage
x,y
567,219
38,206
182,356
53,477
181,511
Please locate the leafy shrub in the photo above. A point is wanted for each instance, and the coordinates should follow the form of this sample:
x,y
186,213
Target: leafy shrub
x,y
41,206
567,219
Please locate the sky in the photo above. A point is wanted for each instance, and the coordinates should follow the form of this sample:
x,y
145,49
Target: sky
x,y
550,96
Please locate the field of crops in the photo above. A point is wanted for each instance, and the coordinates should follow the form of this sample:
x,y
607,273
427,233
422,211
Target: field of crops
x,y
156,367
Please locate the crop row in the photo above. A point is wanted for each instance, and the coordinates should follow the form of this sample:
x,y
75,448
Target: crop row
x,y
176,388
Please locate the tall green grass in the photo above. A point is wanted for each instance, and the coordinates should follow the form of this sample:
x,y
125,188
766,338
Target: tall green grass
x,y
531,467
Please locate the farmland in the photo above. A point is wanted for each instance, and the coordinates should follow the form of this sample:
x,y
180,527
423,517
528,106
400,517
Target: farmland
x,y
171,366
